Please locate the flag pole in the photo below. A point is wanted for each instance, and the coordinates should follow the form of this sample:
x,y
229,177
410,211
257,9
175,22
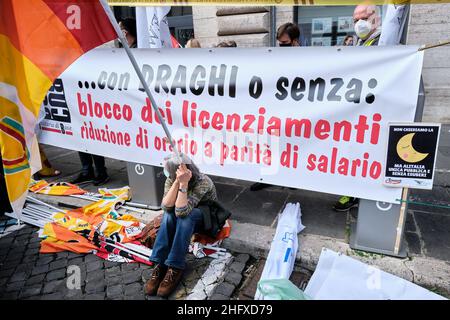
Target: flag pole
x,y
124,42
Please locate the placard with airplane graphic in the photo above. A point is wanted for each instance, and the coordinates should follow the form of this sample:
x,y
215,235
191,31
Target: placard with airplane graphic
x,y
411,155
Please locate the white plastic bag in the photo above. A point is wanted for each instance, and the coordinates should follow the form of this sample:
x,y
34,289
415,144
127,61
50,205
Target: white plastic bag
x,y
281,258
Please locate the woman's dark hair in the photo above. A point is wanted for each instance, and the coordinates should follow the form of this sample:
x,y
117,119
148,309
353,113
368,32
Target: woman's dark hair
x,y
129,24
291,29
172,162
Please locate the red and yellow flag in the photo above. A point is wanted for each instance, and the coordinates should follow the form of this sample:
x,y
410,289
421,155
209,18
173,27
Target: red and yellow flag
x,y
55,188
39,39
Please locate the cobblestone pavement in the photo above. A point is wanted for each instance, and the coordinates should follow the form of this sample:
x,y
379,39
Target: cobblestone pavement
x,y
27,274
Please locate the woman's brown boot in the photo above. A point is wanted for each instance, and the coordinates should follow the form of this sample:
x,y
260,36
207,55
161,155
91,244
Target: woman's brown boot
x,y
170,282
158,274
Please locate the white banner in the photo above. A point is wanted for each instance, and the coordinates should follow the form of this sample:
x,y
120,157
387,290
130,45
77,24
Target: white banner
x,y
393,24
309,118
152,27
339,277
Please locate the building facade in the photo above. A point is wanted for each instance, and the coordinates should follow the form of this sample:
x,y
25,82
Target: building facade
x,y
327,25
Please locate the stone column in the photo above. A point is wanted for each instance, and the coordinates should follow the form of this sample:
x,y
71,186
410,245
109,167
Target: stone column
x,y
249,26
430,24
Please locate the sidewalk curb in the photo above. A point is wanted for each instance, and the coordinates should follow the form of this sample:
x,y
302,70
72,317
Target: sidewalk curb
x,y
426,272
255,240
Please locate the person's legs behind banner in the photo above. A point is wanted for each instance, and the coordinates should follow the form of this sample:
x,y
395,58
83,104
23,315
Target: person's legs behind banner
x,y
345,203
47,170
87,169
102,176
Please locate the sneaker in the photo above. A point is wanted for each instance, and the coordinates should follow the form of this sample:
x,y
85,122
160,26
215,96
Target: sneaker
x,y
83,177
259,186
101,179
170,282
152,285
345,203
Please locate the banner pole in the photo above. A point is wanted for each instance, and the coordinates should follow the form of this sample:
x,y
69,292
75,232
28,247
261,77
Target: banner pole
x,y
401,222
124,42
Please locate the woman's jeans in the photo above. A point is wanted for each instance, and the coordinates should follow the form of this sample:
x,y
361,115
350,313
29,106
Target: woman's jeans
x,y
174,236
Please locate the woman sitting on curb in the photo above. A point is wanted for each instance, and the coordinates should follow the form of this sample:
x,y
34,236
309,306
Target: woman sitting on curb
x,y
185,187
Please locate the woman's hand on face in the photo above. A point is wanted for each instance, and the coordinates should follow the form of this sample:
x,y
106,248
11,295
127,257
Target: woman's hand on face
x,y
183,175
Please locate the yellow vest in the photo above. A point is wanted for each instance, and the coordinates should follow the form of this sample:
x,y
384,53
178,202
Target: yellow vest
x,y
369,42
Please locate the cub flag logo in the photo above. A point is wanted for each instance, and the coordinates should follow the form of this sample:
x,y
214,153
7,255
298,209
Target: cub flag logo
x,y
57,114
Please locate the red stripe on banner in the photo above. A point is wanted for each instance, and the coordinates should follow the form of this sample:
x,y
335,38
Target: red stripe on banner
x,y
51,130
69,133
86,20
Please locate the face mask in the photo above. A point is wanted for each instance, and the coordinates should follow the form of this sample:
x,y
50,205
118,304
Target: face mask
x,y
285,44
166,173
362,29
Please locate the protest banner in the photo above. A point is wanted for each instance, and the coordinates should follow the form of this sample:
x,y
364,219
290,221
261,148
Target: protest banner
x,y
309,118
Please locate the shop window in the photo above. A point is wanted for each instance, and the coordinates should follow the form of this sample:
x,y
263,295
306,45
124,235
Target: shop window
x,y
181,23
326,25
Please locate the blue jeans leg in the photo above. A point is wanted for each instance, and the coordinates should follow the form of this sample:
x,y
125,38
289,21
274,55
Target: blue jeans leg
x,y
186,227
164,238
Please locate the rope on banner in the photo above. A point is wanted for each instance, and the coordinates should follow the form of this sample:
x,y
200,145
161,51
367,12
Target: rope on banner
x,y
429,46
